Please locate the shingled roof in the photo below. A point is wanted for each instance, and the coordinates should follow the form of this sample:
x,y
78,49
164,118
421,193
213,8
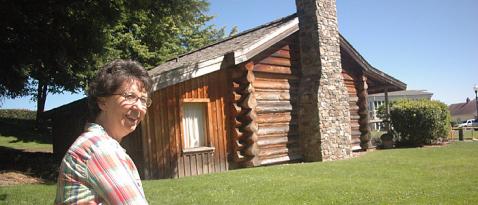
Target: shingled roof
x,y
466,108
242,47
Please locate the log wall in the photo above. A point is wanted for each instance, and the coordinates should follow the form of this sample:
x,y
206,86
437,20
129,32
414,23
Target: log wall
x,y
244,117
163,150
276,88
349,81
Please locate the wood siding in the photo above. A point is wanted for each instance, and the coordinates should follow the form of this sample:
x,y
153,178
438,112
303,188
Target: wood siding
x,y
164,155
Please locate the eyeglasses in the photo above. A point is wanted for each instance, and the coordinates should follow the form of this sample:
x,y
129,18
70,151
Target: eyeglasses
x,y
132,98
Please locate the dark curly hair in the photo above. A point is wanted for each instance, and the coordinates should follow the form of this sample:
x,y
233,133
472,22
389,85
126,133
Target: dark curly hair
x,y
110,78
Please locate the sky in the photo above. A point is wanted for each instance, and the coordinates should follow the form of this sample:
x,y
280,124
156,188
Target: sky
x,y
427,44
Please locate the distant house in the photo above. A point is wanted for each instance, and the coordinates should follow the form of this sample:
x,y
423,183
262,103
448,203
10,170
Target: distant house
x,y
236,104
463,111
378,99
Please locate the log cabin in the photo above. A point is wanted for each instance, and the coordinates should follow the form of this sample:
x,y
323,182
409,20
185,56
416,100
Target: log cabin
x,y
237,103
244,92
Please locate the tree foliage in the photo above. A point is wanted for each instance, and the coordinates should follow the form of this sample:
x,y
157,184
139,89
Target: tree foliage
x,y
55,46
154,31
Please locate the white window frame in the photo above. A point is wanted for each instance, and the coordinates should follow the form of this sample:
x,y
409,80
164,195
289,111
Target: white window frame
x,y
205,146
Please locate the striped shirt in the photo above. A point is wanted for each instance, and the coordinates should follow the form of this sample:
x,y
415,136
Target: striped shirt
x,y
97,170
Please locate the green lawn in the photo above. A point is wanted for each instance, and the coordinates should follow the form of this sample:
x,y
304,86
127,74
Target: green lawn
x,y
21,133
468,134
435,175
15,143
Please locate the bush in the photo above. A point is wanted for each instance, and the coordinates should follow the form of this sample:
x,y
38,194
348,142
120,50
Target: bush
x,y
419,122
18,114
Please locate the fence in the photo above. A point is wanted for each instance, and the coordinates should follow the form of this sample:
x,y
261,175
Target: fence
x,y
469,133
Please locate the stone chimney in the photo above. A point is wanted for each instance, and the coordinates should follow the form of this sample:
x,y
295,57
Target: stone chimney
x,y
324,115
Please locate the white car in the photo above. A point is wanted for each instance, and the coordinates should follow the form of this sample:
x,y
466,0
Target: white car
x,y
469,123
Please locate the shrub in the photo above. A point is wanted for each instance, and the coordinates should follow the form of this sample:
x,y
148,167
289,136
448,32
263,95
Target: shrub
x,y
419,122
18,114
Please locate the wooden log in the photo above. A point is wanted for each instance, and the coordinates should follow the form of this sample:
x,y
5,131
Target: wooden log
x,y
236,87
282,150
236,109
250,162
250,128
272,69
246,89
272,95
272,85
249,66
236,97
354,108
275,128
238,157
284,117
249,102
247,116
276,76
276,61
363,112
347,77
248,77
237,134
356,133
251,151
251,139
236,123
279,139
273,107
281,53
281,159
364,129
237,146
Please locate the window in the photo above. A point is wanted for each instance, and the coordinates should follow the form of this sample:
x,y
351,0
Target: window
x,y
194,124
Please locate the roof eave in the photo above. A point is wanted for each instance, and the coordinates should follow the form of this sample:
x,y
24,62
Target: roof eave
x,y
395,85
246,53
181,74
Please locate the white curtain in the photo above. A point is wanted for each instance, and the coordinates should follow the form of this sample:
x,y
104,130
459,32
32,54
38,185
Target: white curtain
x,y
194,124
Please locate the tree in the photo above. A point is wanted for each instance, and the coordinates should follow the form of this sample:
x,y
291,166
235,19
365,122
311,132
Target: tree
x,y
55,46
51,46
155,31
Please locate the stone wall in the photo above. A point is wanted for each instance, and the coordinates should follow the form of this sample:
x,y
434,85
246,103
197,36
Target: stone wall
x,y
324,116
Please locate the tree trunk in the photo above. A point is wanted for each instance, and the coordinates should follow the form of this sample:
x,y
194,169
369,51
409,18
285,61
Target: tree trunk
x,y
41,99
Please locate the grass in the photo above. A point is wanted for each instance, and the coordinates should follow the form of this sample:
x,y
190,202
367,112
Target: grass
x,y
15,143
468,134
435,175
21,134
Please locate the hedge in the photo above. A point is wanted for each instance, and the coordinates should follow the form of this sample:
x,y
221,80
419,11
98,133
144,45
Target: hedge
x,y
419,122
18,114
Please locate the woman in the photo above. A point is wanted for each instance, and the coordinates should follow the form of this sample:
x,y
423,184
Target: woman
x,y
96,169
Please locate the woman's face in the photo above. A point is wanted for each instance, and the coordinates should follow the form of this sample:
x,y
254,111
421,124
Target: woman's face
x,y
124,110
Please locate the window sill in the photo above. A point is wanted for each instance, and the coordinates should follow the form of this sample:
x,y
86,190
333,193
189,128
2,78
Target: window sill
x,y
198,150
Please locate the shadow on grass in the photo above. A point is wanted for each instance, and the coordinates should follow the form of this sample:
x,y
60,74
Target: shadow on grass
x,y
24,130
32,163
36,164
